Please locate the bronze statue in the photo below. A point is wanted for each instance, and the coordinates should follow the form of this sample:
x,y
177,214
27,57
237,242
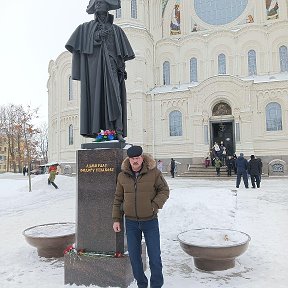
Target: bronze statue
x,y
100,49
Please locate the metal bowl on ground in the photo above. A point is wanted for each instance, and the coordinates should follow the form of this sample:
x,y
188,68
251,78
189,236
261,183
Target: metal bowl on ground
x,y
214,249
51,239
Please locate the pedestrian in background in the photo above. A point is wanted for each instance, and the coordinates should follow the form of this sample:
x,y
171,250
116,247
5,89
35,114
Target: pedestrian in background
x,y
261,167
218,165
254,169
25,170
160,165
52,175
234,163
242,166
230,165
172,167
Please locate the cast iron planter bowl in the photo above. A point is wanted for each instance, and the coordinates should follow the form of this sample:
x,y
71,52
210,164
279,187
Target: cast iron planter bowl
x,y
214,249
51,239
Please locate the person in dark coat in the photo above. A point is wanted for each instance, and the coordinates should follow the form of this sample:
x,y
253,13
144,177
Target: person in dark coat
x,y
234,163
230,165
254,169
100,49
242,166
172,167
25,170
261,167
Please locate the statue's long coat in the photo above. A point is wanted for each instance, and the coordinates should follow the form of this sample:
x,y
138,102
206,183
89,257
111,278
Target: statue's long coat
x,y
98,64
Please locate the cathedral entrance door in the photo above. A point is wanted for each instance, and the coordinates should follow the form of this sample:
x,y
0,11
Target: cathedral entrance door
x,y
223,131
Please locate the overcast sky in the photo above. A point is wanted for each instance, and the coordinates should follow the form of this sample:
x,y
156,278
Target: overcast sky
x,y
33,33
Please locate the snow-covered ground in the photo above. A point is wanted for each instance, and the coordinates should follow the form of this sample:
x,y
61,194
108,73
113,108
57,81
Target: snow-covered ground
x,y
193,203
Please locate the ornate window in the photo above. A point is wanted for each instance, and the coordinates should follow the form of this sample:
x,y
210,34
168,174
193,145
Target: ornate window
x,y
219,12
278,168
221,64
283,59
193,70
71,134
273,117
118,13
166,73
70,88
134,9
252,68
175,123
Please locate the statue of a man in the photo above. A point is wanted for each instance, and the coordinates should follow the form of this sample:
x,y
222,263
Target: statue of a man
x,y
100,49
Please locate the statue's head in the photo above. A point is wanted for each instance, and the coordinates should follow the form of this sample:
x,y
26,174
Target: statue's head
x,y
102,6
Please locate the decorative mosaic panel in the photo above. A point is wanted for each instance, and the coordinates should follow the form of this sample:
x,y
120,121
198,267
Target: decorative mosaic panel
x,y
175,24
272,8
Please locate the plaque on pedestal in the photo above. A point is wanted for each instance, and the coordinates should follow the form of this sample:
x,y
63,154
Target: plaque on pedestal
x,y
97,172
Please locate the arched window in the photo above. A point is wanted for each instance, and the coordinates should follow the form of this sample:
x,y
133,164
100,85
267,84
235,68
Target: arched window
x,y
283,58
221,64
70,88
273,117
71,134
166,73
193,70
252,68
175,123
118,13
134,9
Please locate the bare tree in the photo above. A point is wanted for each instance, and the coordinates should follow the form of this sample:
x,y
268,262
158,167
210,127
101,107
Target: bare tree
x,y
29,133
8,127
16,126
42,142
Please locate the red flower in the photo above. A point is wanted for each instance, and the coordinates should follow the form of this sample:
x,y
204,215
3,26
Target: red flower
x,y
118,254
68,249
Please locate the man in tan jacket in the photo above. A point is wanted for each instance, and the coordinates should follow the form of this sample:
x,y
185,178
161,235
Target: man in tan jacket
x,y
141,190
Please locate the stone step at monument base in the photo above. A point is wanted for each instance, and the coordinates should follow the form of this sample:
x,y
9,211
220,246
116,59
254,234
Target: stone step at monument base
x,y
100,271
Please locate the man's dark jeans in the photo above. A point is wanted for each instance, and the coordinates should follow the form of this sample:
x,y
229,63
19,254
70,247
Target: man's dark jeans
x,y
255,178
150,229
242,173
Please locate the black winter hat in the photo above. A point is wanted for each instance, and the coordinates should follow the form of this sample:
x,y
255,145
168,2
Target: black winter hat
x,y
134,151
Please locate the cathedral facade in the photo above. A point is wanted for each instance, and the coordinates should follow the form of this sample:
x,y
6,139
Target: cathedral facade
x,y
205,71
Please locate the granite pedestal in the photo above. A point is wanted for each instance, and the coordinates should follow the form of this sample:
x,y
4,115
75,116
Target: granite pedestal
x,y
97,170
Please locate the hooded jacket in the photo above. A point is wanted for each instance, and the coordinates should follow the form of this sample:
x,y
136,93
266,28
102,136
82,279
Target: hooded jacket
x,y
139,198
241,164
254,167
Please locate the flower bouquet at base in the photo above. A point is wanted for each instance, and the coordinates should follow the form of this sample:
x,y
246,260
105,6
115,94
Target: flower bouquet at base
x,y
106,135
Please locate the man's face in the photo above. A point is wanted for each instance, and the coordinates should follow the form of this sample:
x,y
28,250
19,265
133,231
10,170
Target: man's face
x,y
101,6
136,163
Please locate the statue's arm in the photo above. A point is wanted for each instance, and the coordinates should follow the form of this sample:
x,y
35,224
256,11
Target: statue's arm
x,y
76,65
